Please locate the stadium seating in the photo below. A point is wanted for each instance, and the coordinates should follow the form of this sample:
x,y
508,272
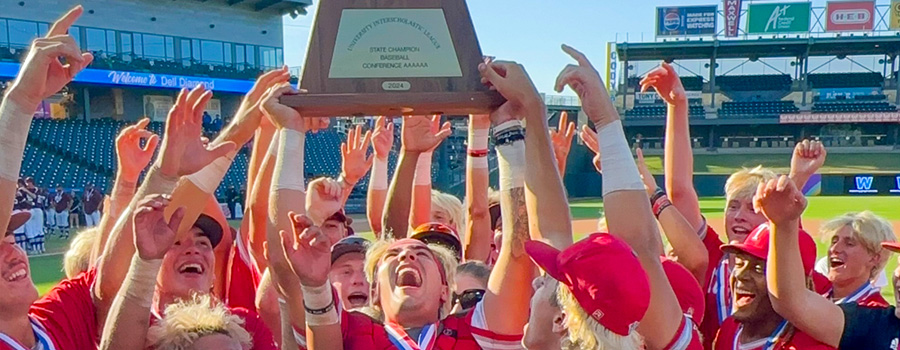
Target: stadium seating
x,y
757,109
754,82
659,112
690,83
853,107
839,80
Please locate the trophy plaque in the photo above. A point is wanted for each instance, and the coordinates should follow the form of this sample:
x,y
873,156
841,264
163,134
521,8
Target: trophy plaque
x,y
393,57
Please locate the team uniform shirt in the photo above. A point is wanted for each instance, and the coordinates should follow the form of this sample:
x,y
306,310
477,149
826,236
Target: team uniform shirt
x,y
61,202
716,285
461,331
66,315
784,338
243,277
261,335
869,328
867,295
92,200
687,337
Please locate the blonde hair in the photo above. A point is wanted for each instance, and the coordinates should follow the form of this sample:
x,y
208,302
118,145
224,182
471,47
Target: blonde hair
x,y
189,320
585,333
743,183
377,250
452,205
868,228
78,258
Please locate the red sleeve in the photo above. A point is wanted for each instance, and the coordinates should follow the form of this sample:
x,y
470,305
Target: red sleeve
x,y
262,336
241,281
725,337
713,243
686,338
68,313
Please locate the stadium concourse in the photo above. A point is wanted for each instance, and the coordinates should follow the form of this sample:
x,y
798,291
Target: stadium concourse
x,y
658,208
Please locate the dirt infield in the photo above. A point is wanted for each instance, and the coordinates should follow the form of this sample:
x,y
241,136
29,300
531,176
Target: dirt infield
x,y
585,226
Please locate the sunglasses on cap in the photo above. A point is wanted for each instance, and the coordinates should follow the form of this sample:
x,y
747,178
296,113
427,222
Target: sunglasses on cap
x,y
468,298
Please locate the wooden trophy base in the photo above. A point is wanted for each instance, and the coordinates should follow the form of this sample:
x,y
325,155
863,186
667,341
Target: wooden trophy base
x,y
414,103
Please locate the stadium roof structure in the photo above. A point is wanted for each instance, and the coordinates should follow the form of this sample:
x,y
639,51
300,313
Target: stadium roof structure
x,y
283,6
780,47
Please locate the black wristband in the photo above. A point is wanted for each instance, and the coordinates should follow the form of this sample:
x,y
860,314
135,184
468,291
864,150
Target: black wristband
x,y
321,311
657,194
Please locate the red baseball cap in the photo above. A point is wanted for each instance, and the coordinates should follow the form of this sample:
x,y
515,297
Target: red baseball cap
x,y
892,246
440,234
687,289
757,244
603,274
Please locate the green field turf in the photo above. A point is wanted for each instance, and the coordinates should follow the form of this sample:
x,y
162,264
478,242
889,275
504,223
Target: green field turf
x,y
837,163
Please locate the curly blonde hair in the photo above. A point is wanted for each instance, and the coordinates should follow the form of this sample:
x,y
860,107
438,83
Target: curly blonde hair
x,y
377,250
743,183
78,258
583,332
869,229
189,320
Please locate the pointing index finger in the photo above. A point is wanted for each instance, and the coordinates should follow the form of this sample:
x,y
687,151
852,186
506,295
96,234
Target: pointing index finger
x,y
61,26
577,55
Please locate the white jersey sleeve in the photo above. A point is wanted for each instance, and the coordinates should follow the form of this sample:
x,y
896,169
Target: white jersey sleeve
x,y
486,338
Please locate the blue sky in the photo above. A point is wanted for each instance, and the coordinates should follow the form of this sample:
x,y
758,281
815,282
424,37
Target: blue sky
x,y
530,32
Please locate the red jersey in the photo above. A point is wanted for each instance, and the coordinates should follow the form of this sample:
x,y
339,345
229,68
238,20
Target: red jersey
x,y
716,287
68,315
784,338
464,331
687,337
867,296
242,278
61,202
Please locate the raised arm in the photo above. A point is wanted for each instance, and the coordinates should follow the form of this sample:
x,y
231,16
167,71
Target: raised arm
x,y
183,134
42,75
807,159
257,217
129,315
354,162
416,137
679,157
382,143
628,212
562,141
420,211
782,203
132,160
506,302
262,137
687,247
478,231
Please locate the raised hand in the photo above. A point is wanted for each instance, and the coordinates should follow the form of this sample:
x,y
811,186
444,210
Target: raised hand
x,y
589,137
585,81
152,235
383,137
249,115
308,251
511,81
666,83
808,158
132,158
423,134
649,182
286,117
42,73
779,200
183,152
323,198
354,163
562,141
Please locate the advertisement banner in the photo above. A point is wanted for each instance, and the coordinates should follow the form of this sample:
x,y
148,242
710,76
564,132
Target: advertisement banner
x,y
872,184
653,97
612,63
845,93
895,15
786,17
686,20
732,17
850,16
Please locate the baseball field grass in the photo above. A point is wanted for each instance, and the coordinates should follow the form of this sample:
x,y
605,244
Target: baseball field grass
x,y
837,163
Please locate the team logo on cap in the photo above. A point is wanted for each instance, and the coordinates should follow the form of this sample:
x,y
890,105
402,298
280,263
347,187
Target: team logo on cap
x,y
597,315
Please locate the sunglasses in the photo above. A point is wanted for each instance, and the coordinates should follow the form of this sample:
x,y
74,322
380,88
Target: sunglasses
x,y
468,298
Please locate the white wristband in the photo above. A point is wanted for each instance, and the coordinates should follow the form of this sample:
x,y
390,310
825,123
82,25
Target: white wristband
x,y
273,145
14,123
141,280
507,124
208,178
478,138
379,179
619,171
319,298
511,161
289,163
423,170
477,162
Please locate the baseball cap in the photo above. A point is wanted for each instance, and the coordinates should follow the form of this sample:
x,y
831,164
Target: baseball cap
x,y
352,244
757,244
210,228
687,290
603,274
892,246
17,219
438,233
340,216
